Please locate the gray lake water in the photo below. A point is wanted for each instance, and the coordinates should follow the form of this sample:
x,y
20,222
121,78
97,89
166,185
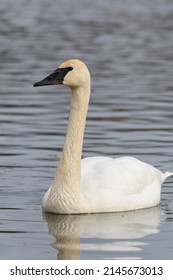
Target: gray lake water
x,y
128,47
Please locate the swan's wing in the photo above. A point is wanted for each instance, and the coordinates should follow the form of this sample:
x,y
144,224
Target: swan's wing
x,y
126,175
120,184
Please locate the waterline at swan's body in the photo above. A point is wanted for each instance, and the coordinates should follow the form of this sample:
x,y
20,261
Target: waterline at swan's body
x,y
96,184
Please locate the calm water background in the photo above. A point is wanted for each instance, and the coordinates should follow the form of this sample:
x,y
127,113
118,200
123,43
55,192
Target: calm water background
x,y
128,47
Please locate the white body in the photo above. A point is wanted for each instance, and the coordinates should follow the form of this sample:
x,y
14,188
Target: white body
x,y
110,185
97,184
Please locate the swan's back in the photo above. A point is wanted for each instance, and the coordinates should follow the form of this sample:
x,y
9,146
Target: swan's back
x,y
120,184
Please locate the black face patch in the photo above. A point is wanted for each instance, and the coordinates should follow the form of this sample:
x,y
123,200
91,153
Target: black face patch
x,y
54,78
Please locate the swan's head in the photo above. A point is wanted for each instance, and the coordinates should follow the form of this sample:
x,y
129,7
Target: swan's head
x,y
72,73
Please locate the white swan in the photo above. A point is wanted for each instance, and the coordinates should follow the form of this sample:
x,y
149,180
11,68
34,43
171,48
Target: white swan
x,y
95,184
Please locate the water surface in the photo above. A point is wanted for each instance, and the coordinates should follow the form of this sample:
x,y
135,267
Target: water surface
x,y
128,47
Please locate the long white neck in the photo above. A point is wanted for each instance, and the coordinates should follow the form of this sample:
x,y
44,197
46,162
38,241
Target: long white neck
x,y
68,174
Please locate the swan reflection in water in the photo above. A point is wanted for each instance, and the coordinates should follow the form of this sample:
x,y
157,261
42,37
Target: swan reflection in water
x,y
109,232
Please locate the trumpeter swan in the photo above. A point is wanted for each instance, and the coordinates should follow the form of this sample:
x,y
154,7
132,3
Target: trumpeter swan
x,y
95,184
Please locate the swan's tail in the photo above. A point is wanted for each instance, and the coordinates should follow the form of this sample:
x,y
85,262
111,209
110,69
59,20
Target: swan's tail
x,y
166,175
